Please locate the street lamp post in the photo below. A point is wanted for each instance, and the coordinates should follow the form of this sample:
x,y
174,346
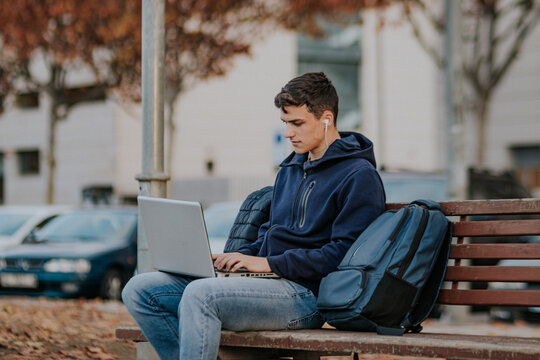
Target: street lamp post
x,y
153,179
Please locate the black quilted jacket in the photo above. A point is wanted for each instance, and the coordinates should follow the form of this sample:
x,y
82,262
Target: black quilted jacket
x,y
254,212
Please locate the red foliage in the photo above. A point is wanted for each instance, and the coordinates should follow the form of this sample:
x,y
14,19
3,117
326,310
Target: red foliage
x,y
201,38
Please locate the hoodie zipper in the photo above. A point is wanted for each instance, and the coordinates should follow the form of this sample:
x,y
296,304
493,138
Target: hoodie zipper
x,y
298,198
304,203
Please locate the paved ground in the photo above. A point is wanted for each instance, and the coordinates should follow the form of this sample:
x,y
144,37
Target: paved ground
x,y
479,324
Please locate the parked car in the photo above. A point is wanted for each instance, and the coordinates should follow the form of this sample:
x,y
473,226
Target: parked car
x,y
18,222
86,252
219,220
409,186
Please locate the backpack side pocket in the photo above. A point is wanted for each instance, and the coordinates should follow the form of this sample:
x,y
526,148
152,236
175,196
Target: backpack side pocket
x,y
341,288
386,309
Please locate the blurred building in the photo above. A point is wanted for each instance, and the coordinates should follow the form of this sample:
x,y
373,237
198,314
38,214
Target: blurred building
x,y
229,137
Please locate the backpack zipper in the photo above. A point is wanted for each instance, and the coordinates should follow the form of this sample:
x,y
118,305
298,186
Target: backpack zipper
x,y
298,198
396,231
304,203
415,244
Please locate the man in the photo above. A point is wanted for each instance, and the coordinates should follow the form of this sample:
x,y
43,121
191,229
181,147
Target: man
x,y
326,193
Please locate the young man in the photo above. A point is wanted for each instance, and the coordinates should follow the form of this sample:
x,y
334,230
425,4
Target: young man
x,y
326,193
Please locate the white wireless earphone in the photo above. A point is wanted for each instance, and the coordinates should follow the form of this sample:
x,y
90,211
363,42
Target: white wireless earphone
x,y
326,121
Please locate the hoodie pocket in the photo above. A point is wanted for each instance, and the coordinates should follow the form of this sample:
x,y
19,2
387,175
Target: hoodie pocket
x,y
341,288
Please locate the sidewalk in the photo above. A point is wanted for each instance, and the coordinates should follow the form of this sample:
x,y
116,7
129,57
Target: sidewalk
x,y
480,324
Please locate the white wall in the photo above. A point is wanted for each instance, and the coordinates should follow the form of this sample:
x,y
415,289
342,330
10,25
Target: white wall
x,y
128,138
85,150
515,109
231,119
401,98
23,129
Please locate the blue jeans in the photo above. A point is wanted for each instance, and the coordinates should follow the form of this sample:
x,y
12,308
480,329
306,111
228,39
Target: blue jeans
x,y
182,317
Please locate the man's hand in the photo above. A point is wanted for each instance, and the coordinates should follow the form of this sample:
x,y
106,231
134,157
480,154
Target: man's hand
x,y
235,261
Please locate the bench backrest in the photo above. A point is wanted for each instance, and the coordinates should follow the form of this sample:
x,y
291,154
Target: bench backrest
x,y
477,225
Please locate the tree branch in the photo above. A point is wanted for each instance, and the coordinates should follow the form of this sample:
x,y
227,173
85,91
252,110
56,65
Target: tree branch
x,y
431,51
499,72
435,21
492,52
472,75
505,34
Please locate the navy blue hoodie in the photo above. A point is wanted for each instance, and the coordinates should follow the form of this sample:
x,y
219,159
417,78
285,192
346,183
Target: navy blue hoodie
x,y
319,208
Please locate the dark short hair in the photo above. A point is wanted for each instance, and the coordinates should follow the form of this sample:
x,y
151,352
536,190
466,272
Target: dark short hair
x,y
314,90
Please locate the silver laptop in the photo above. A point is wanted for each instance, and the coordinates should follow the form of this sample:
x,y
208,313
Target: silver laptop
x,y
177,239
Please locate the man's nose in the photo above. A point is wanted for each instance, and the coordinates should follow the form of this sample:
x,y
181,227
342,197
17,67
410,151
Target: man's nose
x,y
289,133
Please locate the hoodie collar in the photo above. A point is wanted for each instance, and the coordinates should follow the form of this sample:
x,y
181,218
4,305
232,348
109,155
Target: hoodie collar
x,y
351,145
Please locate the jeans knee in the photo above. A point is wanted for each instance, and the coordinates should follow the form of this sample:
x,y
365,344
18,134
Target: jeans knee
x,y
130,291
137,289
196,295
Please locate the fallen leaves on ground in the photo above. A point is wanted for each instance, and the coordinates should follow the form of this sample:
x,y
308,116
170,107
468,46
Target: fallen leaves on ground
x,y
40,328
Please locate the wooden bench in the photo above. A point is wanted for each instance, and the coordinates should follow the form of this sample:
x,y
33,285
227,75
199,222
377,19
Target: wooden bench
x,y
471,219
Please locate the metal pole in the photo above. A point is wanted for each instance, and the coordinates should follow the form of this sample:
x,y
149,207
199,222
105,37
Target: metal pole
x,y
153,179
454,98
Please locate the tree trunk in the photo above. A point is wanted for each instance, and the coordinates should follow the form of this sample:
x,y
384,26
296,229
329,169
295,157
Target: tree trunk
x,y
51,158
482,118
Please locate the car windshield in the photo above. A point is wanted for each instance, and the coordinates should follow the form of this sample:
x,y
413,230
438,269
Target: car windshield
x,y
88,226
10,223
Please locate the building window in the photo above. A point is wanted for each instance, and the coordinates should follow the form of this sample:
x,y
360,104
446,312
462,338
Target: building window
x,y
527,164
29,100
28,162
338,55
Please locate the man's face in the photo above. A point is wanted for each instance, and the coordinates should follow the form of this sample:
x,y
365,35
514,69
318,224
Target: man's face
x,y
303,129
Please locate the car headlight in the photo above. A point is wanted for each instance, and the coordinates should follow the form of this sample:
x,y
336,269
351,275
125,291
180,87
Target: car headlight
x,y
81,266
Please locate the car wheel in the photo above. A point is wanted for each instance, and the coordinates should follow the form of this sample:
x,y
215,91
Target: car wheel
x,y
111,285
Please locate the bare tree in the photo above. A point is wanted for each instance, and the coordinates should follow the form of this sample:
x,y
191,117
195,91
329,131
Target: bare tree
x,y
493,34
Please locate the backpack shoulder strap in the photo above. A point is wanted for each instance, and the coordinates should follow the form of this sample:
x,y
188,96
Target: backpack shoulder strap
x,y
430,292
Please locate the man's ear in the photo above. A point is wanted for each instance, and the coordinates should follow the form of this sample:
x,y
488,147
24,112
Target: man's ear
x,y
327,115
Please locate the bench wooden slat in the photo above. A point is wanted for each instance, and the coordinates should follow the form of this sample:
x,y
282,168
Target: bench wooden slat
x,y
423,344
132,333
490,297
484,207
495,251
493,273
497,228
